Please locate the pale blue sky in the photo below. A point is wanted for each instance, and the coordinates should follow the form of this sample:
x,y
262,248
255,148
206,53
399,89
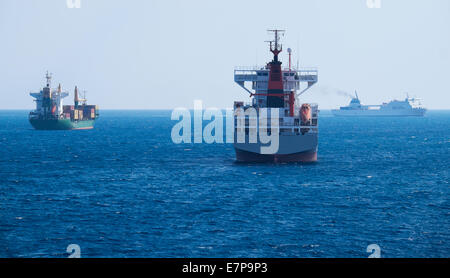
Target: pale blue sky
x,y
144,54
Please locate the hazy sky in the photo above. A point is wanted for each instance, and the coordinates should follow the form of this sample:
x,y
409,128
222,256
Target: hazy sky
x,y
144,54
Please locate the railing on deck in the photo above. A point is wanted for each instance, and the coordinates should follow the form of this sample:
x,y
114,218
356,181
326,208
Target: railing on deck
x,y
287,125
242,74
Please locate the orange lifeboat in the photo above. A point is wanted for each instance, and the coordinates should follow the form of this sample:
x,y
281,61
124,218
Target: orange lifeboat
x,y
305,113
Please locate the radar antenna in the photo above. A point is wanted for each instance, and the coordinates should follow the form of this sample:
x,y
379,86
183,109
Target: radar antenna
x,y
275,46
48,76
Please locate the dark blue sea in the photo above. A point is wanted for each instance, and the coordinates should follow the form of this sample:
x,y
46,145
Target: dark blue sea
x,y
125,190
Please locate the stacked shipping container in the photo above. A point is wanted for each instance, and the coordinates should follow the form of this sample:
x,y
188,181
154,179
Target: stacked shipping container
x,y
82,112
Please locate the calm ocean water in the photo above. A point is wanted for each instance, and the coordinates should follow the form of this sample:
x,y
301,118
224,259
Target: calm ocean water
x,y
125,190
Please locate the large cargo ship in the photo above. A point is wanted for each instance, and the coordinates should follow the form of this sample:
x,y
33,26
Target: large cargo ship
x,y
277,89
396,108
51,114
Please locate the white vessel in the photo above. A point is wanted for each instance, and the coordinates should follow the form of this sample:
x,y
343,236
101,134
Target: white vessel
x,y
396,108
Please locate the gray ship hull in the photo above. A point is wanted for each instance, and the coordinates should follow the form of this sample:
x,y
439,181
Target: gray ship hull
x,y
292,148
415,112
244,156
368,113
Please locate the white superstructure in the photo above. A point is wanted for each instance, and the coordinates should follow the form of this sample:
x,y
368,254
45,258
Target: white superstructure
x,y
48,101
277,89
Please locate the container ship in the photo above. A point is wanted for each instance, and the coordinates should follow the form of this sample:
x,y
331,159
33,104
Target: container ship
x,y
277,88
51,114
396,108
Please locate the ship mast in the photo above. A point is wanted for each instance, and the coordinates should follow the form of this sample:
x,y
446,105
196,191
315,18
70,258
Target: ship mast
x,y
48,76
47,102
270,89
275,46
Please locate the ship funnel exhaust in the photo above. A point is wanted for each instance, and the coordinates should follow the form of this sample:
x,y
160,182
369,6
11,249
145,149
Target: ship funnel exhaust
x,y
75,98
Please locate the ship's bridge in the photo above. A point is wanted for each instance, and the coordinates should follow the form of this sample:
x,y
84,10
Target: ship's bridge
x,y
355,101
259,76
